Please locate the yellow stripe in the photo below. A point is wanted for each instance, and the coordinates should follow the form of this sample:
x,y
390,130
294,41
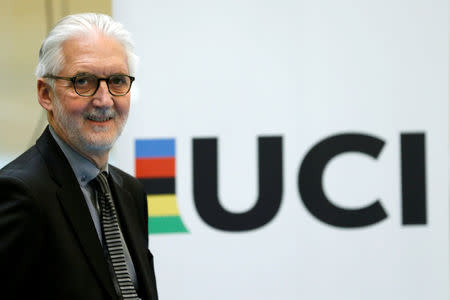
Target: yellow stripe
x,y
162,205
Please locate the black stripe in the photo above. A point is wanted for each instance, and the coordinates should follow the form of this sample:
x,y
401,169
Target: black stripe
x,y
414,190
158,185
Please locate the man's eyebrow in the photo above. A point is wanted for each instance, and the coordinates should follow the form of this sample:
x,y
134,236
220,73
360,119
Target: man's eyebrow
x,y
83,73
112,74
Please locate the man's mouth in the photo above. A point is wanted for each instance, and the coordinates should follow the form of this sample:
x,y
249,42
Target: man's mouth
x,y
99,118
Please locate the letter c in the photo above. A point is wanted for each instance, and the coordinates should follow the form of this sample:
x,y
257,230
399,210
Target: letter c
x,y
310,181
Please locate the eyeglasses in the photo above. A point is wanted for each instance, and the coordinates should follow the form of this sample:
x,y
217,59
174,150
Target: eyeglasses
x,y
86,85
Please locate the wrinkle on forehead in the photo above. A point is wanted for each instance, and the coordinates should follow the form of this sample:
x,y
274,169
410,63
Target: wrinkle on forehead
x,y
94,53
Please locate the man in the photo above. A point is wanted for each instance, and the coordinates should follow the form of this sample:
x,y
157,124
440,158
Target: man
x,y
72,226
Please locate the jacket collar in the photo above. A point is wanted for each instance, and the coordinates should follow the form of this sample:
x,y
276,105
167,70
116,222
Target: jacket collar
x,y
132,232
69,195
76,210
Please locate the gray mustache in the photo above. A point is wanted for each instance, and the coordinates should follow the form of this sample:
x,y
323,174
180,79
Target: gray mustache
x,y
101,114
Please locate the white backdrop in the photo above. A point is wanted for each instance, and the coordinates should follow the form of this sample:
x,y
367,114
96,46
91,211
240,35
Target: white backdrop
x,y
304,70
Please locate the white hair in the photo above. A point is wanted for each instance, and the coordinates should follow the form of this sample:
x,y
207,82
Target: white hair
x,y
51,58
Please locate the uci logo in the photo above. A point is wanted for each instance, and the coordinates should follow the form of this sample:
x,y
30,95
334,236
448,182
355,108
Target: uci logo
x,y
155,167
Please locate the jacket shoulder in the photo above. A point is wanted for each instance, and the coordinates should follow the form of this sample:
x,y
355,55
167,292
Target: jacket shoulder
x,y
29,167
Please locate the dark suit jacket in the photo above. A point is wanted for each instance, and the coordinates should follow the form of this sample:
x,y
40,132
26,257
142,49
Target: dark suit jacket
x,y
49,248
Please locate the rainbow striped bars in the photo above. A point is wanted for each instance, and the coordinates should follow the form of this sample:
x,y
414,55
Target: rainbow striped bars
x,y
155,168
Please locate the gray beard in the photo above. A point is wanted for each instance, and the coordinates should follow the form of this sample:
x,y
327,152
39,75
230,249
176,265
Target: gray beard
x,y
85,144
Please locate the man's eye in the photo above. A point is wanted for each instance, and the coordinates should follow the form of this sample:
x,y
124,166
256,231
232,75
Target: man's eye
x,y
79,81
117,80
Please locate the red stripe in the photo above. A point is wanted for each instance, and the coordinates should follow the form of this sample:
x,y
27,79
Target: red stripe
x,y
155,167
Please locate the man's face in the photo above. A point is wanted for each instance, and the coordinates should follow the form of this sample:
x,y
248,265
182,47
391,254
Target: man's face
x,y
92,124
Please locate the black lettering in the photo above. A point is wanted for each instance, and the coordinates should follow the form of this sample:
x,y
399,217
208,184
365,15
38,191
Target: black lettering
x,y
205,174
413,179
310,181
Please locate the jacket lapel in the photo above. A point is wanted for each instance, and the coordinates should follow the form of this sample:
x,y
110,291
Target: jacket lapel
x,y
132,232
75,207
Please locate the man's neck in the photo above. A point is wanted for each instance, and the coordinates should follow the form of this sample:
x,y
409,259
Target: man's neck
x,y
100,160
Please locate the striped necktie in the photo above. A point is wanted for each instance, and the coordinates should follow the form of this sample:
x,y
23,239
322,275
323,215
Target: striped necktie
x,y
111,237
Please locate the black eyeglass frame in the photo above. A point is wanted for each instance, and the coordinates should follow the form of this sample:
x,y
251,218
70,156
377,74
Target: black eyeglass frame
x,y
106,79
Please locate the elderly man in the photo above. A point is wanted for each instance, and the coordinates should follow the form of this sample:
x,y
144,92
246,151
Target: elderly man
x,y
72,226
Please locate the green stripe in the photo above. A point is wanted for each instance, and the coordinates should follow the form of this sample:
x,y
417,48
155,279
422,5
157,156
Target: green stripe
x,y
169,224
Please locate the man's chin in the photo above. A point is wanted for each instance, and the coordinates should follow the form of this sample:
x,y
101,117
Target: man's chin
x,y
101,128
97,143
97,147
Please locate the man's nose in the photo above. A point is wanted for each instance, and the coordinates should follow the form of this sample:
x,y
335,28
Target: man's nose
x,y
102,97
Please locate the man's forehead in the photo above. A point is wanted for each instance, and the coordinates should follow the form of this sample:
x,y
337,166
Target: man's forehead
x,y
94,52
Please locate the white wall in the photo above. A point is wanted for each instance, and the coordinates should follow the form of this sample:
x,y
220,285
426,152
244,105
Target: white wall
x,y
304,70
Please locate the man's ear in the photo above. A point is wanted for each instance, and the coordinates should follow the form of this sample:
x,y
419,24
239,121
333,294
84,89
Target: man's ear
x,y
45,94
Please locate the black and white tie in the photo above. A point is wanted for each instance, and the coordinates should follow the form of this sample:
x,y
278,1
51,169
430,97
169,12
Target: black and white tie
x,y
112,238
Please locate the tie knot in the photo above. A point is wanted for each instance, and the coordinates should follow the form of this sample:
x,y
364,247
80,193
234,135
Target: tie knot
x,y
101,183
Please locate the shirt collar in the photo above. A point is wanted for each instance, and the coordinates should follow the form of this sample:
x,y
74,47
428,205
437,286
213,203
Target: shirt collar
x,y
84,169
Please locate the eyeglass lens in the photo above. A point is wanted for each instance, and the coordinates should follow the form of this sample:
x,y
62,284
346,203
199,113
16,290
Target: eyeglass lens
x,y
86,85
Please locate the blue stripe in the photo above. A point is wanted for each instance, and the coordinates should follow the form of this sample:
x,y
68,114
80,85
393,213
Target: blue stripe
x,y
155,148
